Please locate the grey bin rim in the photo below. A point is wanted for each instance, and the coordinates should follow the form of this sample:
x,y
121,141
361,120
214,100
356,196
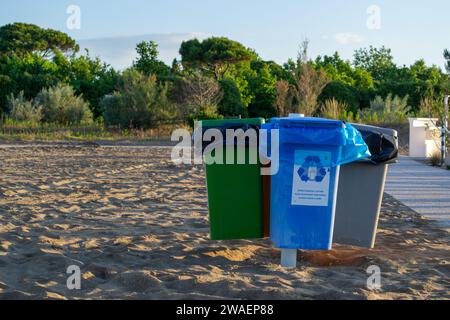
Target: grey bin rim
x,y
370,162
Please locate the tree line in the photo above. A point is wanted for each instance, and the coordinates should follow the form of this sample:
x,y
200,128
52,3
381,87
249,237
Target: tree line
x,y
45,79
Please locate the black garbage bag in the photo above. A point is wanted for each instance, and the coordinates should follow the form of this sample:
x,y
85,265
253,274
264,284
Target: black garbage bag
x,y
382,143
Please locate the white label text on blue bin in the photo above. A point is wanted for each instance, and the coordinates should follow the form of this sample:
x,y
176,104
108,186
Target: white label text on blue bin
x,y
311,182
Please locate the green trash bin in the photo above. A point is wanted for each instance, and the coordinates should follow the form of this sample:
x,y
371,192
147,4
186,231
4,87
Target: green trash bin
x,y
234,190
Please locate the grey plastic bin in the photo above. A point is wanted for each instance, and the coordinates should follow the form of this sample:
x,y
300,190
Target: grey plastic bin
x,y
361,188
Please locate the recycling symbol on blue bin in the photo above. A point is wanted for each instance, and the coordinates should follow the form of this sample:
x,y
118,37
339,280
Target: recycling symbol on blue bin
x,y
312,170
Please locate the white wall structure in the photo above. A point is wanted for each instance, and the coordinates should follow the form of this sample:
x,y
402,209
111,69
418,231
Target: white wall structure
x,y
424,137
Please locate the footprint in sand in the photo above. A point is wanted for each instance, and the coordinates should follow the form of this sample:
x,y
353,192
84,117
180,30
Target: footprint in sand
x,y
35,218
91,244
62,226
71,209
139,281
59,242
236,255
67,181
100,271
123,241
9,193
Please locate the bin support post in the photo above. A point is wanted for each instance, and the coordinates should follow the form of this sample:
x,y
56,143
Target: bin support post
x,y
289,258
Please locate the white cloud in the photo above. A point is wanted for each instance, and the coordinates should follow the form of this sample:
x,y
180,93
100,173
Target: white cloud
x,y
120,52
347,38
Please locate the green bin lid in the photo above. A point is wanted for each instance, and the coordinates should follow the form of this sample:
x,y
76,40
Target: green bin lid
x,y
224,122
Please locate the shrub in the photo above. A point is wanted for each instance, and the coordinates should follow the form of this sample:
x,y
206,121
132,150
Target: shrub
x,y
140,102
204,114
368,116
350,116
391,109
429,108
198,95
21,109
377,104
435,160
111,106
61,105
333,109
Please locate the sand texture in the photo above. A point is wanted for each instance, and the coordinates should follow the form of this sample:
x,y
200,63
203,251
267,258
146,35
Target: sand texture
x,y
137,226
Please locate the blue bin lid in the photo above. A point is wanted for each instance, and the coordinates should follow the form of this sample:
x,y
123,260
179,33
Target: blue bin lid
x,y
310,122
325,132
316,131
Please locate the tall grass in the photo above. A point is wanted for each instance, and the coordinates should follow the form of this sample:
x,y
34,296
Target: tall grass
x,y
23,130
333,109
435,160
21,109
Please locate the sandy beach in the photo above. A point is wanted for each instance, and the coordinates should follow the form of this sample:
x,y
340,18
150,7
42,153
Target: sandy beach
x,y
137,226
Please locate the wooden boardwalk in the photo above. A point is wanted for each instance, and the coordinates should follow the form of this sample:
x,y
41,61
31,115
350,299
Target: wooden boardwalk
x,y
421,187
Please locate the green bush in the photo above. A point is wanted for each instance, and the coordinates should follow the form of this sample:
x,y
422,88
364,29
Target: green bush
x,y
231,103
368,116
390,110
110,104
61,105
139,103
342,93
204,114
21,109
263,87
349,116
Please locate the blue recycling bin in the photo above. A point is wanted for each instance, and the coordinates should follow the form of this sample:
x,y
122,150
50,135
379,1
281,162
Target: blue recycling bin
x,y
304,191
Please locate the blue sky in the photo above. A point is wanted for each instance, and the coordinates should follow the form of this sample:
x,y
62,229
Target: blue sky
x,y
110,28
